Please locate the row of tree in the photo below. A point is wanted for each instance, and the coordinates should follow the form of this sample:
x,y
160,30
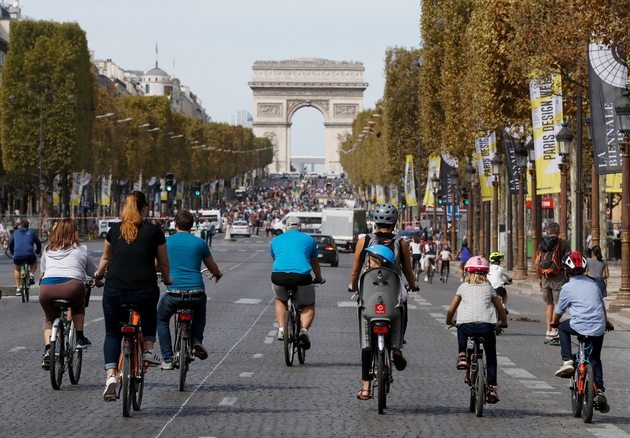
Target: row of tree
x,y
48,79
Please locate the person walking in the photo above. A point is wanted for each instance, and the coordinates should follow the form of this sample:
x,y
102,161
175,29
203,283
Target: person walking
x,y
597,269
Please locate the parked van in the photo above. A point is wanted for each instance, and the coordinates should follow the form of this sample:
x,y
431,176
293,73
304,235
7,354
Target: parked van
x,y
104,226
308,219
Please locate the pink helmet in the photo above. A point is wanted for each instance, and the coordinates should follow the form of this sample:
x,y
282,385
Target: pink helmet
x,y
477,265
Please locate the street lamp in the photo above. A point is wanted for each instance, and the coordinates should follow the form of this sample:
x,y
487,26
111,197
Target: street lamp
x,y
454,185
623,114
520,153
470,209
594,186
435,183
564,139
496,164
41,98
531,157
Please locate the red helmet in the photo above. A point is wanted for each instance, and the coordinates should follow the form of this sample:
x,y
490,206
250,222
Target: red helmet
x,y
477,265
574,263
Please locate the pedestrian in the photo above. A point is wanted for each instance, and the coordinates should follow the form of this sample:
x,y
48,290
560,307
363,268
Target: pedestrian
x,y
589,246
597,269
211,232
617,244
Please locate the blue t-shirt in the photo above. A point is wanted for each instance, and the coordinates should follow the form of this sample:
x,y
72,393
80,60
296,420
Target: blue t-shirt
x,y
185,254
582,298
292,252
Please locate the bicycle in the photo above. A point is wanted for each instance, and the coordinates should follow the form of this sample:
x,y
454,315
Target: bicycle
x,y
582,385
431,270
476,375
25,281
64,354
417,270
445,268
5,247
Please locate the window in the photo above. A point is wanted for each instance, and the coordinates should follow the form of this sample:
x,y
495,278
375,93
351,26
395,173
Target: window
x,y
147,88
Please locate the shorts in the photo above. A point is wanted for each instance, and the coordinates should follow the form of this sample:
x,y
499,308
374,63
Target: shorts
x,y
551,290
305,295
29,260
429,257
501,292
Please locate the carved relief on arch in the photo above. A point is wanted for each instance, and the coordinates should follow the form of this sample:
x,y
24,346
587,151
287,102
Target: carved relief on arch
x,y
294,104
273,138
269,109
341,110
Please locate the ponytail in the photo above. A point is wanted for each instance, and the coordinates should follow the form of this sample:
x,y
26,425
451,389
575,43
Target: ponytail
x,y
132,216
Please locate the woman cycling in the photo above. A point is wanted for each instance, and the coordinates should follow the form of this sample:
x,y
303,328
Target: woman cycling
x,y
416,251
129,254
63,267
477,306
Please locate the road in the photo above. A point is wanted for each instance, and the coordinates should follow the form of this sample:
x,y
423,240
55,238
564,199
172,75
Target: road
x,y
244,388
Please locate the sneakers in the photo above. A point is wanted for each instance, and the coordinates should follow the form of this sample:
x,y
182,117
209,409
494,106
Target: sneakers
x,y
462,362
46,360
552,338
304,339
280,335
152,358
566,368
601,397
83,343
200,350
168,366
493,396
426,278
18,292
602,402
31,279
110,388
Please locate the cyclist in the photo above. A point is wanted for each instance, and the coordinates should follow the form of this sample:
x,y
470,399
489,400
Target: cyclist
x,y
185,253
4,233
430,251
64,264
477,306
416,251
496,276
294,256
21,245
445,259
463,255
581,296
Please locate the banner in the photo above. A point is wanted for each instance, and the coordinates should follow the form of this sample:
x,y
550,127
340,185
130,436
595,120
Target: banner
x,y
607,77
546,119
56,196
613,183
393,195
380,195
179,191
433,170
446,167
410,183
106,190
163,193
79,179
137,186
509,147
485,148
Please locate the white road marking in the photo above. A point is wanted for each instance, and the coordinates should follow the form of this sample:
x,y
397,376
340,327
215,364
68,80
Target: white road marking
x,y
14,349
411,306
247,301
536,384
228,401
346,304
514,312
268,340
240,250
97,319
609,431
258,356
504,361
547,392
272,333
246,374
438,315
235,266
519,373
424,303
96,297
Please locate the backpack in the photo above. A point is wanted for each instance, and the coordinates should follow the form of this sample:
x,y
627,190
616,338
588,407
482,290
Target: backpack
x,y
391,241
431,247
550,259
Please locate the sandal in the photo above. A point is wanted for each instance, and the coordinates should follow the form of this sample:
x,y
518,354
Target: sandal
x,y
399,361
364,394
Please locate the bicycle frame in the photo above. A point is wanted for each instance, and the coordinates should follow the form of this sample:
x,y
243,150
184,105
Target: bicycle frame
x,y
132,337
478,384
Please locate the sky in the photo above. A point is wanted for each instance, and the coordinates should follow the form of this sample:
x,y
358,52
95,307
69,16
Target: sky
x,y
211,45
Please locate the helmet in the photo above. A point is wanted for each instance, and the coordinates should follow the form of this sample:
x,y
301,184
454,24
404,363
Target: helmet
x,y
574,263
477,265
495,257
293,221
446,248
385,214
381,252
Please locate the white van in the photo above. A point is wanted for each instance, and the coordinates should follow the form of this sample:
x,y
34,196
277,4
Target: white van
x,y
308,219
104,226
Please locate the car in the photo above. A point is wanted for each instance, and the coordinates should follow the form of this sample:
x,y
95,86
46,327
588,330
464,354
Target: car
x,y
104,226
326,249
240,228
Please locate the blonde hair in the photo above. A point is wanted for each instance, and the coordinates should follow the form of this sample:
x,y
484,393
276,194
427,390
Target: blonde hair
x,y
132,216
476,278
64,236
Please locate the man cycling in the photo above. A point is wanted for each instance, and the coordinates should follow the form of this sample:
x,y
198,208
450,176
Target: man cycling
x,y
430,250
294,256
186,253
581,296
21,245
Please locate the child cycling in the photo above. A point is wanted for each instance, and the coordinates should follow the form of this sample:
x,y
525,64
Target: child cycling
x,y
477,306
445,260
496,276
430,250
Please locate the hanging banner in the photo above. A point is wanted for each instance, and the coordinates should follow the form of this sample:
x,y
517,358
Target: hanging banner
x,y
77,189
546,119
163,193
447,165
106,190
179,191
393,195
613,183
56,196
137,186
380,195
410,183
509,147
485,148
433,170
607,78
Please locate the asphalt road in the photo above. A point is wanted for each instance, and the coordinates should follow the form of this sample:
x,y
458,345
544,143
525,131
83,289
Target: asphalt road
x,y
244,388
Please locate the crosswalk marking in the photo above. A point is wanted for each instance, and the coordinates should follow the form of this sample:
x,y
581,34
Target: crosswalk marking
x,y
258,356
346,304
609,431
228,401
519,373
536,384
246,374
247,301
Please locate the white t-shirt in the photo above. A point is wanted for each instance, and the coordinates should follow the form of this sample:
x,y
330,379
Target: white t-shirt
x,y
496,274
476,304
445,255
416,248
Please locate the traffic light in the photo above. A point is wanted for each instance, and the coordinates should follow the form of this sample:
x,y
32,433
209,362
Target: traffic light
x,y
465,196
403,204
197,188
439,198
169,182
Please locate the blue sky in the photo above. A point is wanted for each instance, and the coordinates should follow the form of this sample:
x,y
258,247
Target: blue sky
x,y
213,43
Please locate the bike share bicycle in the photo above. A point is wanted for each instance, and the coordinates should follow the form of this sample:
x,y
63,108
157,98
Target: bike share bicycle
x,y
25,281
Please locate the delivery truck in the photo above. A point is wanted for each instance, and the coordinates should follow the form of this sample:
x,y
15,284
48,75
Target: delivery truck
x,y
345,225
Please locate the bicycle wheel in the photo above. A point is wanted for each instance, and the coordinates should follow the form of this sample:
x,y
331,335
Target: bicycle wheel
x,y
380,380
300,351
138,382
183,362
480,388
57,355
588,397
75,356
126,377
289,338
447,270
24,284
8,253
576,397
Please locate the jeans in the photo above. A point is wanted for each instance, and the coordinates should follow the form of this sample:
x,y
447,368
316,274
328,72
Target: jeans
x,y
486,331
565,331
113,299
168,306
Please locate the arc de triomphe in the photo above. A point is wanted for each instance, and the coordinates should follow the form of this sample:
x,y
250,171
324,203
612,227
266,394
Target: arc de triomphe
x,y
283,87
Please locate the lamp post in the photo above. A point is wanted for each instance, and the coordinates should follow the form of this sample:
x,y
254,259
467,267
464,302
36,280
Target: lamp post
x,y
496,163
470,209
454,185
623,115
564,139
435,183
594,188
531,156
521,163
41,186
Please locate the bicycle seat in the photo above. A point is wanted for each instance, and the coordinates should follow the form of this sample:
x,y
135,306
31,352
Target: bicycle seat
x,y
583,338
61,304
130,307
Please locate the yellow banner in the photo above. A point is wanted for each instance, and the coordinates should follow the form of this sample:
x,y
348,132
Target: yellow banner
x,y
56,193
433,170
380,195
106,190
163,193
410,183
613,183
485,150
393,195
